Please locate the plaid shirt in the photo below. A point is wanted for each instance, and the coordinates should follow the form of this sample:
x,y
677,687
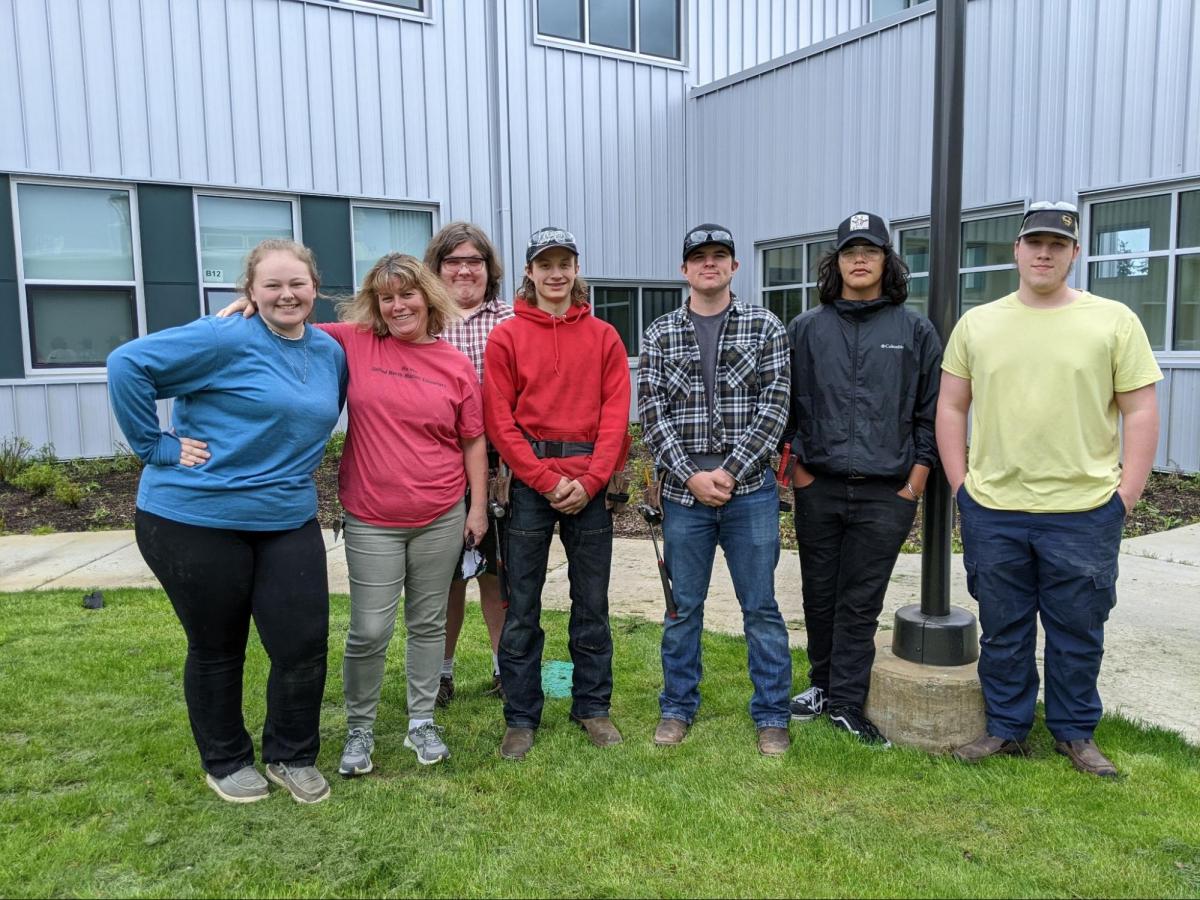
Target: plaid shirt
x,y
470,334
753,394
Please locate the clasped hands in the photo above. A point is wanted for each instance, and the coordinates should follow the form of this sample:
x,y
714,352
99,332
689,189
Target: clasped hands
x,y
713,488
568,496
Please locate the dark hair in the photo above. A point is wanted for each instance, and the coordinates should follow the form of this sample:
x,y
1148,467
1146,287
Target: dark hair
x,y
450,236
894,285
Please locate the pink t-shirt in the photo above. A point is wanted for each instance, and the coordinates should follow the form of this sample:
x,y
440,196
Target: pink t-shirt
x,y
408,407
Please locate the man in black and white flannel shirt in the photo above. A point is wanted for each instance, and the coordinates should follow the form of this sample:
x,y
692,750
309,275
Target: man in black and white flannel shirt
x,y
714,390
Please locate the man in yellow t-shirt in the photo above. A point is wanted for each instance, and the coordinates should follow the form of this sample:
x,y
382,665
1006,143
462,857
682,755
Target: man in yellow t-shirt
x,y
1047,374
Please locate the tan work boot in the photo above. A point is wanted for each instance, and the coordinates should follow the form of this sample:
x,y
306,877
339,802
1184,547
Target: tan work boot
x,y
600,730
989,745
773,741
516,743
1086,757
670,732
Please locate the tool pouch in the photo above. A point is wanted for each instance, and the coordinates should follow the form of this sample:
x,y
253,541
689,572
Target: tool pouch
x,y
499,484
654,494
617,497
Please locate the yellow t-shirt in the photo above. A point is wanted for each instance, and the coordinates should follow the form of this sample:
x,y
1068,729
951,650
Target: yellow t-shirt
x,y
1044,416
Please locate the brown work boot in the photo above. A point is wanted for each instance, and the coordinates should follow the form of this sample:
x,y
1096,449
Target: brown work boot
x,y
445,690
773,741
516,743
989,745
1086,757
670,732
600,730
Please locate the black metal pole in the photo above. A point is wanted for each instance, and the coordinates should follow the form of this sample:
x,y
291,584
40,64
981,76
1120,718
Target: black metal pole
x,y
935,633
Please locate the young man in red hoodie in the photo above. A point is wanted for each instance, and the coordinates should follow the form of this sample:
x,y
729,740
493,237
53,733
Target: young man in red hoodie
x,y
556,407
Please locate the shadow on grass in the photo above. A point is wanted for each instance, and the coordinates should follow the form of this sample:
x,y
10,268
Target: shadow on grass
x,y
101,792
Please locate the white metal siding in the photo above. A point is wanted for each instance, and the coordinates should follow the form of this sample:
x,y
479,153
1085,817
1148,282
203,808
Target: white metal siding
x,y
729,36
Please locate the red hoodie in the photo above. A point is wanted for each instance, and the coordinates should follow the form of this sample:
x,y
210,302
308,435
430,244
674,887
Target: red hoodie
x,y
556,378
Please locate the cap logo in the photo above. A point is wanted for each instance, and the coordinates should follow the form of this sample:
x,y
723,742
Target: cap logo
x,y
860,223
1068,221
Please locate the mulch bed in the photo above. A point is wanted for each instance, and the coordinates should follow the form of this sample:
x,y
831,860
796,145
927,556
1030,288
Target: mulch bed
x,y
1170,501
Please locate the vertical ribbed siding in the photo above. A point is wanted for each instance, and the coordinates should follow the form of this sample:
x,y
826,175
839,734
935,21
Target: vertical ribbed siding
x,y
253,94
594,144
729,36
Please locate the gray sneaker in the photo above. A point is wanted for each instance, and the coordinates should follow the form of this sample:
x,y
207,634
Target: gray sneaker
x,y
243,786
426,741
304,783
356,755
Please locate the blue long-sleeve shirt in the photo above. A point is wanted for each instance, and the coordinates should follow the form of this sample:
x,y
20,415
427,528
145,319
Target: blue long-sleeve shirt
x,y
265,406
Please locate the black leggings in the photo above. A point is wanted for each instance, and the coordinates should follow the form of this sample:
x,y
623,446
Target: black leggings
x,y
216,580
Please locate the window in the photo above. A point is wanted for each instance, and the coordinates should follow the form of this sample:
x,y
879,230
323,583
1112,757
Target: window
x,y
1145,252
881,8
986,267
630,308
417,6
79,272
227,229
646,27
379,230
789,280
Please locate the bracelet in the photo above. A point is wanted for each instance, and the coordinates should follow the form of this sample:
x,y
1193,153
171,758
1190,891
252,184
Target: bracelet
x,y
911,492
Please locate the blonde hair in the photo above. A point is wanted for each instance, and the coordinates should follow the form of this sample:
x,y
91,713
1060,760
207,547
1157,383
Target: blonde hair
x,y
272,245
398,272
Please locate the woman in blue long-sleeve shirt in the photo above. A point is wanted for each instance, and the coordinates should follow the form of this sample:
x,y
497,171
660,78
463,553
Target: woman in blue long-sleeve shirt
x,y
226,516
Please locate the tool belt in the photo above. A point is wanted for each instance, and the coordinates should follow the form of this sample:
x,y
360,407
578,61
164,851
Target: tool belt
x,y
559,449
500,484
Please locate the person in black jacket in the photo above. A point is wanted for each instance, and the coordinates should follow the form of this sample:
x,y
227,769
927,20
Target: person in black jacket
x,y
865,376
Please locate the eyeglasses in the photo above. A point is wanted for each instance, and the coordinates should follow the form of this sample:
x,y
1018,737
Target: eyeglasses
x,y
707,237
551,236
866,251
474,263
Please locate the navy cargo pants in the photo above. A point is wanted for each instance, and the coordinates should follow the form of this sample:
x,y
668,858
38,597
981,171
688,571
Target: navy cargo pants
x,y
1062,566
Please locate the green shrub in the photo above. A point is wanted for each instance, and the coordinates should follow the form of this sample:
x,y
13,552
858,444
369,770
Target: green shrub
x,y
37,478
335,445
68,492
14,457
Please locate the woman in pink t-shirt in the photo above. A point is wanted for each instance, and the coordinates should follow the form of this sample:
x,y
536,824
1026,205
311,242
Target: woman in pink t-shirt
x,y
414,441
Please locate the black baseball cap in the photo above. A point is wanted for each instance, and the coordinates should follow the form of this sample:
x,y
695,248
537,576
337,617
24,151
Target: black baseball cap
x,y
863,226
547,239
1055,218
708,233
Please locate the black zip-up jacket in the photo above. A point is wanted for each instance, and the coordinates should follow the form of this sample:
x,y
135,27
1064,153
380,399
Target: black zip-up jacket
x,y
865,378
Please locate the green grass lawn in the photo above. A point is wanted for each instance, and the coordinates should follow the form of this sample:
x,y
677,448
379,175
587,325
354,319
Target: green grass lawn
x,y
101,792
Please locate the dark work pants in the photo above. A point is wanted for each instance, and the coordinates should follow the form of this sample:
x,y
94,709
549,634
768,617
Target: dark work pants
x,y
587,538
218,579
849,534
1062,566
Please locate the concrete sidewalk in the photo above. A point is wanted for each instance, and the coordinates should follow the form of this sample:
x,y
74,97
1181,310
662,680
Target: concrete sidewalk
x,y
1152,662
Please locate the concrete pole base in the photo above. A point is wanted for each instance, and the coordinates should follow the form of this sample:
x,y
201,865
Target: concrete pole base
x,y
931,708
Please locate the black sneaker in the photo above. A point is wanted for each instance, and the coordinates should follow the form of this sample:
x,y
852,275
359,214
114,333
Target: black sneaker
x,y
445,690
852,720
809,704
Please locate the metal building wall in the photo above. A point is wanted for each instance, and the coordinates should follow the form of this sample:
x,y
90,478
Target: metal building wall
x,y
1063,97
728,36
253,94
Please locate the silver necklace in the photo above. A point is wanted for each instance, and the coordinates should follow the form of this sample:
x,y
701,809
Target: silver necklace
x,y
303,339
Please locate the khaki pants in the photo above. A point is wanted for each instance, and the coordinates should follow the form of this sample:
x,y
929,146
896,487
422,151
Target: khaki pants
x,y
385,563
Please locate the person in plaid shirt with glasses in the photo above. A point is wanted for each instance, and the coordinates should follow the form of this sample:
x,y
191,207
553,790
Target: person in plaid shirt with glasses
x,y
469,266
714,389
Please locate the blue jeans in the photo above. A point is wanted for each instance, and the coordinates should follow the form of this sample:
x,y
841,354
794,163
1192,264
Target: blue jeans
x,y
587,538
747,529
1063,566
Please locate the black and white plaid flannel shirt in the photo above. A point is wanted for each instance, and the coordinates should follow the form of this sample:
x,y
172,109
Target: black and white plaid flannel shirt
x,y
753,395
